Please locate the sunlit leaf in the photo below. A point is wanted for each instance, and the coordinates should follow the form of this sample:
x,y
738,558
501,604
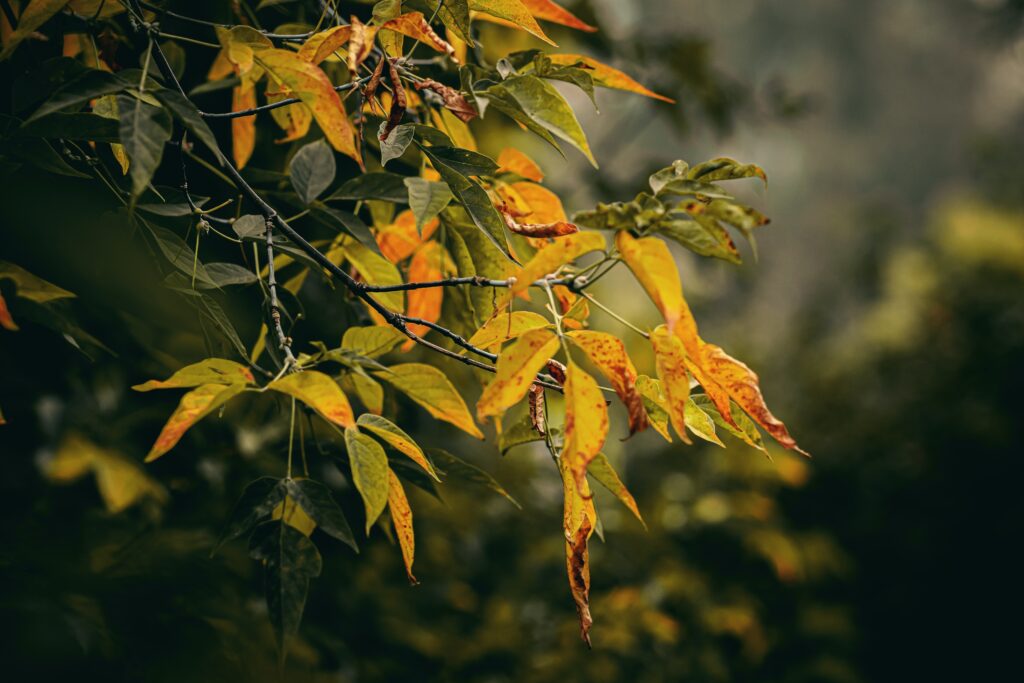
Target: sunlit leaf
x,y
401,518
586,421
506,326
534,203
388,431
725,169
546,10
194,406
743,428
653,266
607,76
319,392
608,354
654,405
512,11
670,363
209,371
511,160
376,270
430,387
517,367
550,258
700,423
369,466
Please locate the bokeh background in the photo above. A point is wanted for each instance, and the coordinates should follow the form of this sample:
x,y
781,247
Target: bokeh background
x,y
884,313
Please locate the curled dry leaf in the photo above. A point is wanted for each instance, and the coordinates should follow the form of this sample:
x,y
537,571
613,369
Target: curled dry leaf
x,y
535,230
398,102
401,518
360,43
454,101
608,354
414,25
579,517
538,412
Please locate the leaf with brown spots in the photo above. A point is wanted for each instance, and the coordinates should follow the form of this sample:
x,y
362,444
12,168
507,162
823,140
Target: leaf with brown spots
x,y
535,230
194,406
506,326
653,266
550,258
401,518
578,521
454,101
322,45
511,160
209,371
360,43
517,368
431,388
586,422
670,363
319,392
608,354
546,10
654,405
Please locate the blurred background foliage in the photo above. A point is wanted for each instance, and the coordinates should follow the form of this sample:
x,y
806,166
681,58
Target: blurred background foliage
x,y
885,315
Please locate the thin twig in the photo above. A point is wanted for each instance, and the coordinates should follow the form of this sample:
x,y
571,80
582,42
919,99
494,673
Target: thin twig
x,y
275,306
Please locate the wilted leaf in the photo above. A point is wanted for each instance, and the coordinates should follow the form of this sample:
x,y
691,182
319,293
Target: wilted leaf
x,y
586,422
431,388
670,363
319,392
369,466
578,521
608,354
388,431
209,371
194,406
401,518
414,25
601,469
517,368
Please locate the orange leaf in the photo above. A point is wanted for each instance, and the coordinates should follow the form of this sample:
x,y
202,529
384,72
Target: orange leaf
x,y
311,85
511,160
322,45
535,231
401,517
546,10
655,269
243,128
517,368
209,371
415,26
6,321
607,76
586,422
400,239
538,204
428,263
294,119
670,363
550,258
608,353
319,392
194,406
578,521
743,386
509,13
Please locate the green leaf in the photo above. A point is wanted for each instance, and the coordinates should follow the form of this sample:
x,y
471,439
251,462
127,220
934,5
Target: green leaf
x,y
463,161
453,467
522,432
258,500
677,171
144,131
226,274
724,168
312,170
499,98
454,14
369,466
702,235
39,83
547,107
186,112
371,342
638,215
747,431
700,423
180,255
600,468
316,500
397,141
290,560
388,187
392,434
77,126
347,221
426,199
476,201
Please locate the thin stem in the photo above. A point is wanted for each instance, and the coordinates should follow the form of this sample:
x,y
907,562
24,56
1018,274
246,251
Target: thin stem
x,y
284,343
558,321
186,39
615,315
274,105
291,439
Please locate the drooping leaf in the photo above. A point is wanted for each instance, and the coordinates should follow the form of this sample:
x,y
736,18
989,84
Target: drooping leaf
x,y
209,371
376,270
579,518
511,160
670,363
194,406
608,354
512,11
550,258
35,14
319,504
517,367
700,423
319,392
401,518
506,326
653,266
586,422
453,467
607,76
389,432
426,199
431,388
546,10
144,129
601,469
654,405
743,429
312,170
369,466
243,128
307,82
258,500
290,560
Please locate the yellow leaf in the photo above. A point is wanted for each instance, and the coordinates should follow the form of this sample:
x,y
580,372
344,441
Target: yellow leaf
x,y
369,391
293,119
578,521
209,371
388,431
607,76
31,287
360,43
319,392
243,128
550,258
505,326
371,341
35,14
376,270
294,516
311,85
512,11
670,363
239,46
511,160
601,470
401,517
517,368
370,470
414,25
194,406
653,266
431,388
608,353
106,107
743,386
322,45
654,405
586,422
533,203
546,10
700,423
454,127
221,67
